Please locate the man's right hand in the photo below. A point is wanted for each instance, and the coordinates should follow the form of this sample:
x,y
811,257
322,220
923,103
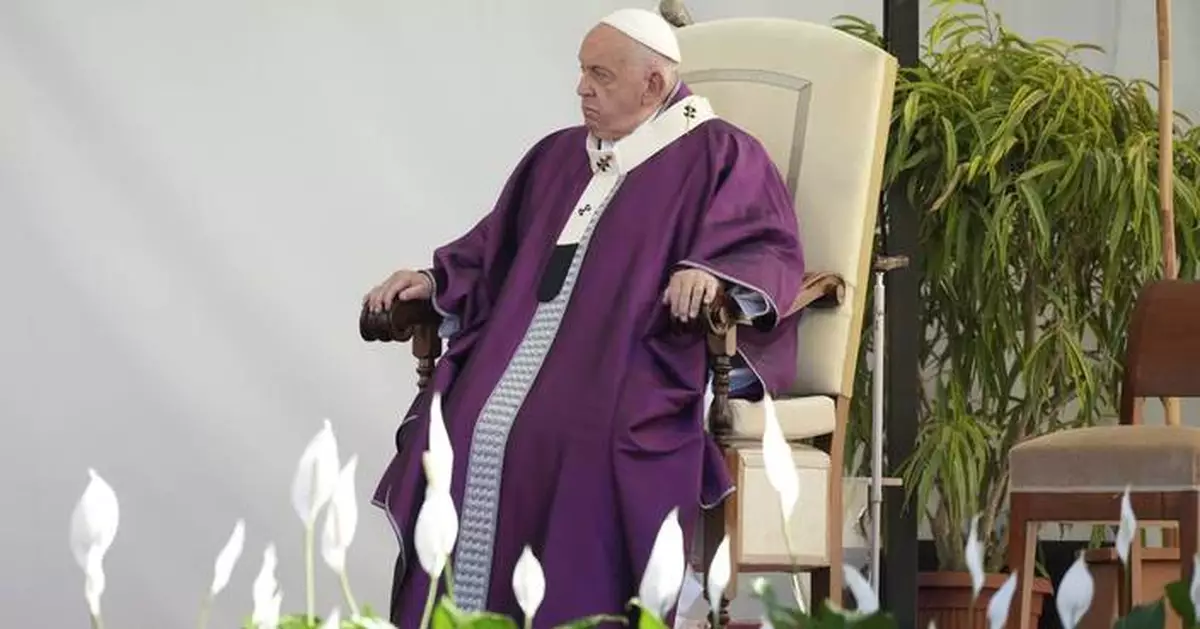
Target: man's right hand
x,y
403,285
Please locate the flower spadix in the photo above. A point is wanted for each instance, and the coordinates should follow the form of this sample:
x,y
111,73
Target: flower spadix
x,y
1128,528
316,475
998,607
778,461
94,524
439,459
341,519
865,598
529,584
268,599
665,568
228,558
1075,593
974,557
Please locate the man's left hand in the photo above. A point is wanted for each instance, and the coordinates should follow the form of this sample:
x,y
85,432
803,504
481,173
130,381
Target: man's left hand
x,y
688,290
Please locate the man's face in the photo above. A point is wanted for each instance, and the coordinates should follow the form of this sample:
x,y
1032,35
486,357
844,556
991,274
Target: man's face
x,y
617,88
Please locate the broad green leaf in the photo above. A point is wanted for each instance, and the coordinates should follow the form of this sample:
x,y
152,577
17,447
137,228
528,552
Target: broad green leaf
x,y
1149,616
594,621
1181,602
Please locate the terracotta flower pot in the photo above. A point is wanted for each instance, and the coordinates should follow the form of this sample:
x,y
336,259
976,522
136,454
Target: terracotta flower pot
x,y
945,598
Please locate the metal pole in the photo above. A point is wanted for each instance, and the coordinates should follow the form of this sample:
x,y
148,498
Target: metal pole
x,y
877,435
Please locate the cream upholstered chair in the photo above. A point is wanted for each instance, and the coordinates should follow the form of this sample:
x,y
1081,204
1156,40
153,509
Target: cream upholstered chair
x,y
820,101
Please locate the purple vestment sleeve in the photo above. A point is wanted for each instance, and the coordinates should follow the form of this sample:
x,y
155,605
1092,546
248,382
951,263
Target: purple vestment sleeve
x,y
749,237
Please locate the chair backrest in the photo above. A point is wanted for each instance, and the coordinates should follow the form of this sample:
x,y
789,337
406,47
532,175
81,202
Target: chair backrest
x,y
820,102
1163,345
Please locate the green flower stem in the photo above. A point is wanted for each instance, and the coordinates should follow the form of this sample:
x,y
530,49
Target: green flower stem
x,y
428,614
787,542
97,622
310,588
205,611
347,594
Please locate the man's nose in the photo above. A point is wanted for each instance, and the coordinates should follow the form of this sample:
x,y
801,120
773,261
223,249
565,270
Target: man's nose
x,y
582,88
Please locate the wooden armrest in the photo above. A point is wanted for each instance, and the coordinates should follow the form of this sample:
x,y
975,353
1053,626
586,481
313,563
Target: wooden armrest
x,y
403,321
399,322
822,289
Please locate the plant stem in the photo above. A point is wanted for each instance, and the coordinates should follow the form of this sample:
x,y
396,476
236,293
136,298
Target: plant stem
x,y
205,610
97,622
346,593
787,542
310,588
428,614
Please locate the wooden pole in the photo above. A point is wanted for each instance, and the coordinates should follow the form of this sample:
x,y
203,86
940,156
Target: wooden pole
x,y
1166,164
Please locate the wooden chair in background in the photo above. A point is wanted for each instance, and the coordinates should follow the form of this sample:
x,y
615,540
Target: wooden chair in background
x,y
1079,475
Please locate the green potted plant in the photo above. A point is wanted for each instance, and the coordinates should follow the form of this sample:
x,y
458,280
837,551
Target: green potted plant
x,y
1034,177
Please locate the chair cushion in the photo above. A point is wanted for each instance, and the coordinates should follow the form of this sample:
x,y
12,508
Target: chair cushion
x,y
1108,458
800,417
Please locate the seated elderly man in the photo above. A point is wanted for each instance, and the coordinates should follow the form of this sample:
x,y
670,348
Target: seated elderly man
x,y
576,410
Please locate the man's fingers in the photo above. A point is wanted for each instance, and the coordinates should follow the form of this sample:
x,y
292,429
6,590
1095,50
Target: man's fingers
x,y
695,297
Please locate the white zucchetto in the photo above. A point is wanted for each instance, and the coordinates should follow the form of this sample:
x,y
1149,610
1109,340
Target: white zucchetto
x,y
646,27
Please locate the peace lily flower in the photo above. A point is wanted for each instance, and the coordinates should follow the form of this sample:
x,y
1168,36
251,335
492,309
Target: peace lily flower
x,y
998,607
223,568
974,556
334,621
341,522
268,599
94,524
720,570
1075,594
865,598
529,585
664,569
778,461
436,532
1194,586
1128,528
316,476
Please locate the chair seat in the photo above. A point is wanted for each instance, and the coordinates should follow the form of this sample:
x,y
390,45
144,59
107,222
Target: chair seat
x,y
1108,458
800,417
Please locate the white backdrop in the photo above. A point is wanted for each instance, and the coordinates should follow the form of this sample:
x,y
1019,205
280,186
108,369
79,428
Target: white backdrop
x,y
194,197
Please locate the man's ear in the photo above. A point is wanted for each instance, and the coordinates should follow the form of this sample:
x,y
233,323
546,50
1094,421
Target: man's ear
x,y
656,88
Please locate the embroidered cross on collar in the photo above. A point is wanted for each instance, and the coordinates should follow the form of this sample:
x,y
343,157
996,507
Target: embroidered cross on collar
x,y
604,163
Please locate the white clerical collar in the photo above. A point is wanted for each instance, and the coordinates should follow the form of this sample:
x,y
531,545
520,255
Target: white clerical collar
x,y
670,124
607,145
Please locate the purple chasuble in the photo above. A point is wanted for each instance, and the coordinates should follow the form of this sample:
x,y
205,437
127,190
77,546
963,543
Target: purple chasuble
x,y
602,413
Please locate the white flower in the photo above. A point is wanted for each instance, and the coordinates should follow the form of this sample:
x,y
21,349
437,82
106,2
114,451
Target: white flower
x,y
228,558
334,621
316,475
720,570
778,461
268,599
94,524
665,568
1075,594
867,601
1194,587
1128,529
341,519
436,532
439,459
974,556
529,583
998,607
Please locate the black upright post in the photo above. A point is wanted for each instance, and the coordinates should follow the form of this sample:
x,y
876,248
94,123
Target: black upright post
x,y
902,32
